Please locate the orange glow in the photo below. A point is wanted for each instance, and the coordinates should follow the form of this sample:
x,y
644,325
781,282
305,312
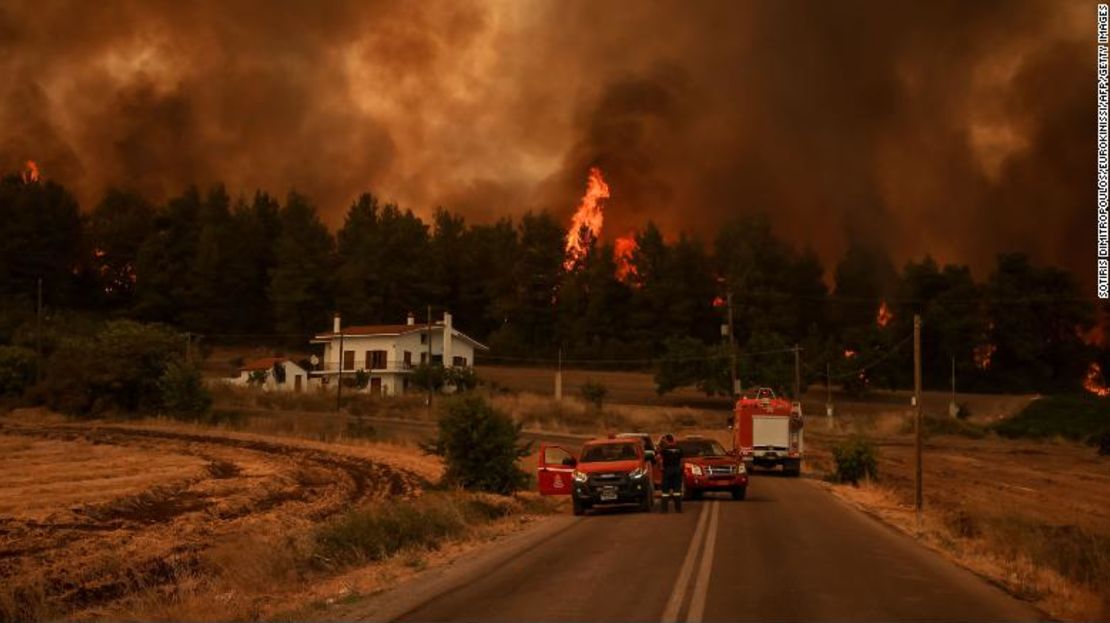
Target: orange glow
x,y
1095,337
586,223
623,248
1094,382
884,316
982,355
719,301
849,353
31,172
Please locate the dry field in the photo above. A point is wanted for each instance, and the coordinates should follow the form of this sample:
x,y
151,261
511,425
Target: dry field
x,y
96,515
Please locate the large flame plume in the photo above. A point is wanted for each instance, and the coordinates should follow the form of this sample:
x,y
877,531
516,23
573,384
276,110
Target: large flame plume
x,y
1094,381
585,225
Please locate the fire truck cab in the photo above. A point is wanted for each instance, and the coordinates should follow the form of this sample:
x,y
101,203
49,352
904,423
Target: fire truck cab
x,y
767,431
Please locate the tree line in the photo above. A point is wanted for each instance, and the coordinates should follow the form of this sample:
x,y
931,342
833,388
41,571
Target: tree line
x,y
256,269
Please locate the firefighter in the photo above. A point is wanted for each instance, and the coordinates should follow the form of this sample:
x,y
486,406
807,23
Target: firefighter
x,y
672,472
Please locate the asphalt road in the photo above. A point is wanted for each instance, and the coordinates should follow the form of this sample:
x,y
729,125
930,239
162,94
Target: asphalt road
x,y
790,552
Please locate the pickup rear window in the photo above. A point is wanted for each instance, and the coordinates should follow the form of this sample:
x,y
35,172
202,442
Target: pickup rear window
x,y
700,447
604,452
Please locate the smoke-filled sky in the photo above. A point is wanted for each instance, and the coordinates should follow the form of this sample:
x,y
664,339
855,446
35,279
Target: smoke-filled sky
x,y
958,129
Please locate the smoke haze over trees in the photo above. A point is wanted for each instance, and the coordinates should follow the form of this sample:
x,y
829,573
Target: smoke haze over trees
x,y
256,269
956,129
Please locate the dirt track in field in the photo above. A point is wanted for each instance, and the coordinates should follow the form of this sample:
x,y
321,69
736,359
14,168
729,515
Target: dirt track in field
x,y
93,513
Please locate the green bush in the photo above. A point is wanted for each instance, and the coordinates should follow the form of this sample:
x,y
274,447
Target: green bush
x,y
594,393
119,368
17,370
480,446
459,377
856,458
183,393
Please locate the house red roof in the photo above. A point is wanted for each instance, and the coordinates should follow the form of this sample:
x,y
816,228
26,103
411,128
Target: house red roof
x,y
264,363
395,329
378,329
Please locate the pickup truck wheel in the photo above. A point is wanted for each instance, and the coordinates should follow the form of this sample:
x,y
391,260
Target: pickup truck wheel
x,y
578,507
739,493
695,494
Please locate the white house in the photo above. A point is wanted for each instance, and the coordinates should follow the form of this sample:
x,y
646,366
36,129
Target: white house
x,y
277,374
389,352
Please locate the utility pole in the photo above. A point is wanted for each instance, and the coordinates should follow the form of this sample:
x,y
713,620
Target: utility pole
x,y
339,377
953,410
38,333
428,368
559,377
188,346
797,374
828,395
919,493
732,350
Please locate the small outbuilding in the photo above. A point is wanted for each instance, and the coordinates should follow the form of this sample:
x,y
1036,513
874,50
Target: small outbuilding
x,y
279,374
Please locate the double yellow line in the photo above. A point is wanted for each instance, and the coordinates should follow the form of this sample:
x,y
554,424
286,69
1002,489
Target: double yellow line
x,y
705,540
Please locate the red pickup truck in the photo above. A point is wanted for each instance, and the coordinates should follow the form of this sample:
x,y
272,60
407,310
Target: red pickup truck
x,y
608,471
708,467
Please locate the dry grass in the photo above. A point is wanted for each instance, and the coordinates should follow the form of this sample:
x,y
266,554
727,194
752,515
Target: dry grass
x,y
1032,516
1065,575
134,518
258,576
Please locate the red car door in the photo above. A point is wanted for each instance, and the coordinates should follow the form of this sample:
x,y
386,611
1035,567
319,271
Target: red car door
x,y
554,470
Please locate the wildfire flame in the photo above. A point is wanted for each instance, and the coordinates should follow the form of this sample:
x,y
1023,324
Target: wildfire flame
x,y
30,172
1094,382
884,315
586,223
623,248
849,353
719,301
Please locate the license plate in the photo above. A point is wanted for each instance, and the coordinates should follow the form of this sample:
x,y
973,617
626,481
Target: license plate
x,y
609,493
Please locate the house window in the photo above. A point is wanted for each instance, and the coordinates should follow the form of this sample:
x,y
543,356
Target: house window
x,y
423,338
437,359
408,359
375,359
423,358
459,362
348,360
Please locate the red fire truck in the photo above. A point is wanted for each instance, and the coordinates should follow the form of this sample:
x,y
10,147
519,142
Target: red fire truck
x,y
767,431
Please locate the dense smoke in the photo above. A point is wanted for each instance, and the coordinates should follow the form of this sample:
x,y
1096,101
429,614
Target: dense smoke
x,y
952,128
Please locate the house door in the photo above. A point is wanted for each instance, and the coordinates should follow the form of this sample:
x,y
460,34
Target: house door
x,y
297,383
376,385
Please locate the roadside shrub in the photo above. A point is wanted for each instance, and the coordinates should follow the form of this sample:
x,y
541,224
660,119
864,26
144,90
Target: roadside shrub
x,y
120,368
480,446
461,378
183,392
856,458
17,370
594,393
